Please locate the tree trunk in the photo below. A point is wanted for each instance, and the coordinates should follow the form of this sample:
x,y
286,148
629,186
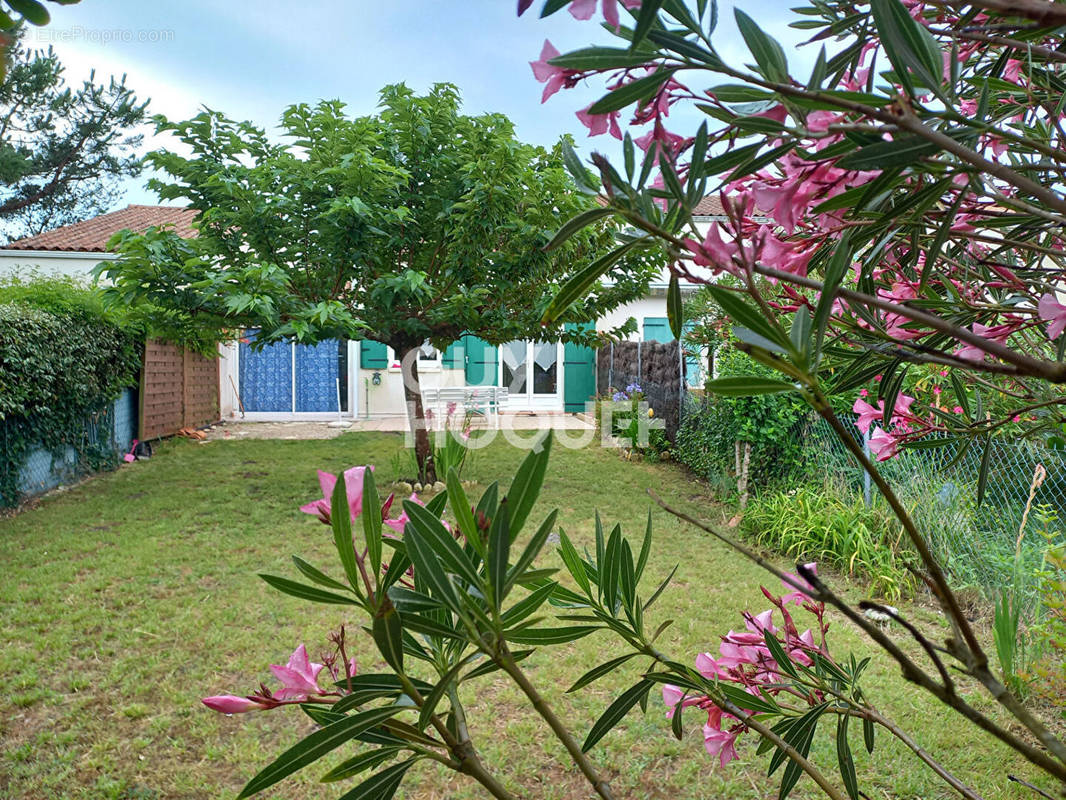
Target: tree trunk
x,y
416,417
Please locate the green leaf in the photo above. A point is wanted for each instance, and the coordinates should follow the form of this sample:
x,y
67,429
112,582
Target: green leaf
x,y
631,92
543,636
313,747
908,45
408,600
489,666
757,124
420,623
835,271
305,592
649,11
534,546
673,306
383,785
31,10
645,550
740,93
800,736
748,316
577,170
528,604
750,702
499,553
317,575
902,152
574,564
777,652
341,523
599,672
615,712
428,566
599,58
767,53
574,224
371,521
525,488
845,760
387,631
351,767
868,734
432,700
578,285
746,385
428,531
463,512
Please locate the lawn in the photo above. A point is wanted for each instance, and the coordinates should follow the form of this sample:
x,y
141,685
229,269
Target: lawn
x,y
128,598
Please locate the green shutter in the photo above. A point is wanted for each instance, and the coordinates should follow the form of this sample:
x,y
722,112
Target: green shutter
x,y
693,363
373,355
453,356
579,372
480,362
657,329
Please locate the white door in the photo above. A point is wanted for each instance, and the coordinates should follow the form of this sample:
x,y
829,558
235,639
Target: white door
x,y
530,372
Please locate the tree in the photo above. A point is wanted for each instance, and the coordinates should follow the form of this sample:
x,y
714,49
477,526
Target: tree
x,y
62,150
418,223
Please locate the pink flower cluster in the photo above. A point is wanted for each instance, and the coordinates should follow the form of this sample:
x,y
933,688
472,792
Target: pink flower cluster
x,y
744,660
299,684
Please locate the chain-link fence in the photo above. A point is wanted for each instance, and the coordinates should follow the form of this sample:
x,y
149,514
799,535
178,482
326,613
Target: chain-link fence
x,y
99,444
989,546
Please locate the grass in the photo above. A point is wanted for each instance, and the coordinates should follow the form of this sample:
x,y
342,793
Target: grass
x,y
128,598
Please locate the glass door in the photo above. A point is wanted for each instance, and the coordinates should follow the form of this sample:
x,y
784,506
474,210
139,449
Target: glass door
x,y
530,373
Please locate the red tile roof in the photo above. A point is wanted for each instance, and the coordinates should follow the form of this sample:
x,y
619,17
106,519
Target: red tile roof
x,y
91,235
709,206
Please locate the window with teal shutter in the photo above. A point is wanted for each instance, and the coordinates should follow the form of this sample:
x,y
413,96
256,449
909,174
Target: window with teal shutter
x,y
453,356
657,329
693,362
373,355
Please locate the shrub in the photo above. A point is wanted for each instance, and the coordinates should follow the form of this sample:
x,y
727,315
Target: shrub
x,y
63,358
830,527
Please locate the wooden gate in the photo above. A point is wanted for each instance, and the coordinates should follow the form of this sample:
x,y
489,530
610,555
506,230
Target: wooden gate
x,y
179,389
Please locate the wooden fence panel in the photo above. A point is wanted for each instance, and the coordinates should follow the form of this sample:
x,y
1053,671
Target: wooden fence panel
x,y
178,389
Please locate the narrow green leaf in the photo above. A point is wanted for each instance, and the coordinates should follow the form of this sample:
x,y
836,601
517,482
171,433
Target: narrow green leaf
x,y
599,671
463,512
317,575
902,152
305,592
628,93
341,523
489,666
745,385
615,712
768,54
525,488
543,636
534,546
313,747
573,225
408,600
747,315
673,306
579,284
528,604
599,58
844,758
777,652
371,522
382,785
387,631
868,735
432,700
499,553
428,530
908,45
649,11
645,550
574,565
351,767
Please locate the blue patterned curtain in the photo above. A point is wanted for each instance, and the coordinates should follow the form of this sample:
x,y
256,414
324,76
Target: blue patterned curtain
x,y
266,376
317,370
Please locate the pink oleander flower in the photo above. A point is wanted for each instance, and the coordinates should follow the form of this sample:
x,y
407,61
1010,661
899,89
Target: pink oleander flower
x,y
720,743
231,704
1054,313
883,445
600,123
353,485
713,251
554,78
957,410
868,414
584,9
400,521
299,678
799,596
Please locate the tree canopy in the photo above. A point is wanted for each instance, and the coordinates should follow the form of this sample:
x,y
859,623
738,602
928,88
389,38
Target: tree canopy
x,y
416,223
63,150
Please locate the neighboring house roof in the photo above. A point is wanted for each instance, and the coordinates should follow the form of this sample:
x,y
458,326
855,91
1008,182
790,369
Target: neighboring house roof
x,y
709,206
92,235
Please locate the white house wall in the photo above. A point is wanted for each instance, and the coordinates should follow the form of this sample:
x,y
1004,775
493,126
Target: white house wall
x,y
47,262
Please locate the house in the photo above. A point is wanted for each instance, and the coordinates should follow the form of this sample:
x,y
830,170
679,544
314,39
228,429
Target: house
x,y
289,381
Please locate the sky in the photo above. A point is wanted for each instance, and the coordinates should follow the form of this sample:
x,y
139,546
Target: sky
x,y
250,60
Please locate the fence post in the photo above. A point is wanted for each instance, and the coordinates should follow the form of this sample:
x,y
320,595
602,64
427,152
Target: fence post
x,y
866,475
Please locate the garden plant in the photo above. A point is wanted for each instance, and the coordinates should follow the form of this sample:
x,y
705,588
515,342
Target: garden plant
x,y
899,207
